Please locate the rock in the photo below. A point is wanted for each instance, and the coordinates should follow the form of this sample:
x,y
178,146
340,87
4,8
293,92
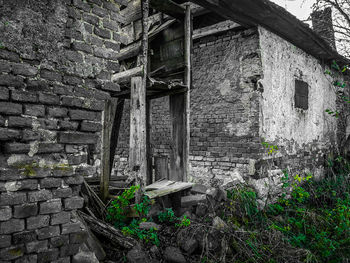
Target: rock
x,y
201,210
137,255
220,224
187,201
154,211
173,255
85,257
149,225
199,189
189,246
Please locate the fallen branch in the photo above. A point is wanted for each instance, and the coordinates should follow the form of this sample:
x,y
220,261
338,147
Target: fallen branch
x,y
107,231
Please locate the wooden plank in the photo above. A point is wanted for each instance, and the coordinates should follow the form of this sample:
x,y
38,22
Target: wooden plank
x,y
178,136
188,82
115,130
148,142
214,29
171,188
127,74
161,170
107,120
137,150
132,12
129,51
168,7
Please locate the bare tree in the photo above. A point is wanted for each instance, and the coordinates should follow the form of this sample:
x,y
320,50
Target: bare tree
x,y
341,22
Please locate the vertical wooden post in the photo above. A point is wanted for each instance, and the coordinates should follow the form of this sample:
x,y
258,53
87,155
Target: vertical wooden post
x,y
107,120
138,129
180,113
148,141
188,81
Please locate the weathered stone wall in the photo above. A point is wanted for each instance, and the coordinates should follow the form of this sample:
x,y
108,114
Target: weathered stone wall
x,y
56,61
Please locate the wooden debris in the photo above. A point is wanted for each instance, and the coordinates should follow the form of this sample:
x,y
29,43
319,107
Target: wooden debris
x,y
165,187
94,201
128,74
109,232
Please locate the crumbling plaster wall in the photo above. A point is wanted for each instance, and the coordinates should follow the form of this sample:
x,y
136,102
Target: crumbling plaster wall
x,y
56,61
304,137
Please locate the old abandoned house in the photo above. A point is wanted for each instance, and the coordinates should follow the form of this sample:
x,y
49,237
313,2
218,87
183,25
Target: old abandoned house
x,y
66,71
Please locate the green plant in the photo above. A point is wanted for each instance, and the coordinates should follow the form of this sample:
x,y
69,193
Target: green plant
x,y
167,216
185,222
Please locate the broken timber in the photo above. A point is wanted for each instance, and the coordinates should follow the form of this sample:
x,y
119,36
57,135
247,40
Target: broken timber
x,y
165,187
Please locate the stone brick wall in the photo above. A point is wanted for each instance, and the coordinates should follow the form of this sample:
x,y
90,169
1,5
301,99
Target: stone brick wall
x,y
56,61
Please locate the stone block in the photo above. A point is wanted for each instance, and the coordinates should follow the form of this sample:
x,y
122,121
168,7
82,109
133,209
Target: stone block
x,y
20,122
51,206
50,182
110,86
16,147
100,11
25,210
112,45
41,195
71,228
34,110
12,253
66,171
2,121
77,138
30,135
48,124
60,218
48,232
81,46
62,193
50,148
104,33
72,203
62,260
5,213
12,198
9,108
88,126
84,115
78,237
199,189
5,241
191,200
12,226
74,180
57,112
9,55
9,134
72,80
11,81
47,98
27,259
4,93
24,70
94,20
38,221
110,24
23,96
59,241
86,257
37,246
48,255
68,125
82,5
51,75
73,56
69,250
23,237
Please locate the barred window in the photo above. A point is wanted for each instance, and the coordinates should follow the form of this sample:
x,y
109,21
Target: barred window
x,y
301,98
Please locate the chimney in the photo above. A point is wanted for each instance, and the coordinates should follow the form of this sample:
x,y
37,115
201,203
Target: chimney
x,y
322,24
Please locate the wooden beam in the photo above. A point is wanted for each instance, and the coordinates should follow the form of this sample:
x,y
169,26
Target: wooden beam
x,y
148,141
168,7
107,120
115,130
128,74
132,12
214,29
129,51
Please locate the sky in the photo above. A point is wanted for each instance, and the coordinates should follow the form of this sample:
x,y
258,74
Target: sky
x,y
300,8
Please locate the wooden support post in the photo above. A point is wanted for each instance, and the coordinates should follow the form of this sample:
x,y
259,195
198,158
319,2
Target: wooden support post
x,y
115,130
180,113
138,151
148,141
108,119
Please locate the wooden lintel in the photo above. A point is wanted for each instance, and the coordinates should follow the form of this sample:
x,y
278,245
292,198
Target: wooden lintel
x,y
214,29
168,7
128,74
129,51
132,12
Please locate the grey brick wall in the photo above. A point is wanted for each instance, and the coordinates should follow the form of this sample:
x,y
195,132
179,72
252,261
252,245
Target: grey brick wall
x,y
56,62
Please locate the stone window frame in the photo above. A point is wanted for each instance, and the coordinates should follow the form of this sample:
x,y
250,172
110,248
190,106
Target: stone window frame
x,y
301,94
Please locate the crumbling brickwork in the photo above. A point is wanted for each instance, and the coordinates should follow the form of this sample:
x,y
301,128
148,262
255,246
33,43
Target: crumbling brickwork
x,y
56,61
